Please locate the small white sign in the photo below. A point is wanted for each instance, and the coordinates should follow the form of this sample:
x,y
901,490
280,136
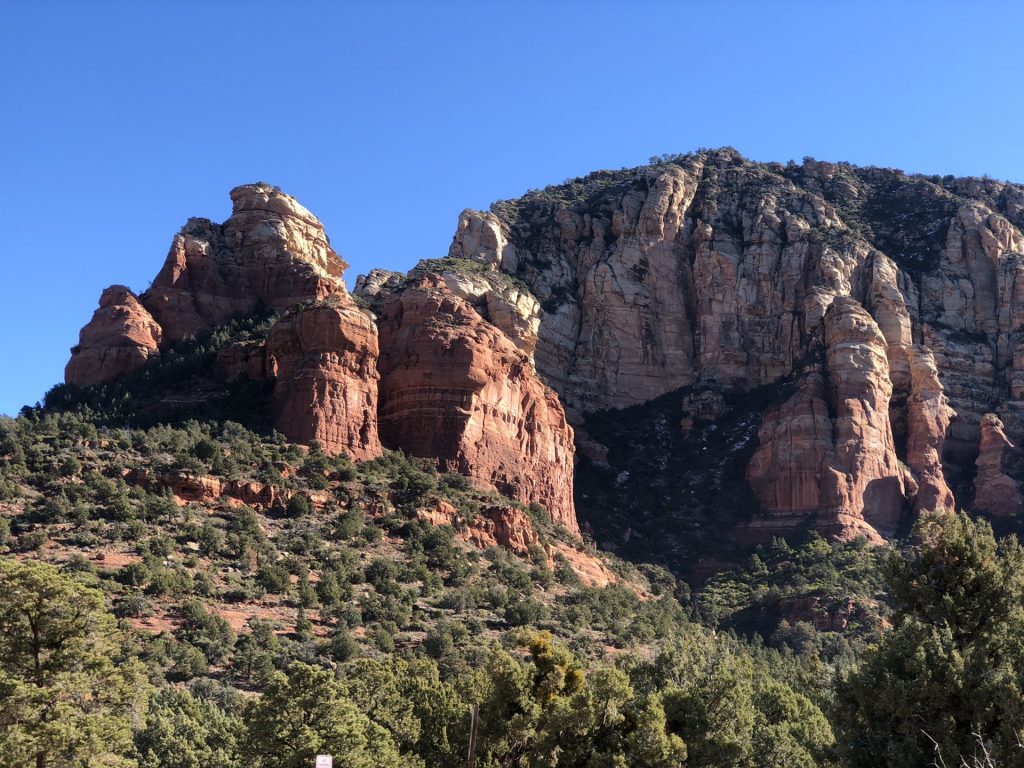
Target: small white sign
x,y
324,761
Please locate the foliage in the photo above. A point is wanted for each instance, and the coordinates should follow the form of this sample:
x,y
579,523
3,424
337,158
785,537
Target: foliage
x,y
186,731
304,713
65,696
952,666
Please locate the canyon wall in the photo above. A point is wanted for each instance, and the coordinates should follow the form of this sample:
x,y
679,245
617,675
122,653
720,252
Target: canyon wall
x,y
714,272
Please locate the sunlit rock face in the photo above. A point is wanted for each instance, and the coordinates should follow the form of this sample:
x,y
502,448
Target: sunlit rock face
x,y
121,337
324,358
271,252
714,271
456,388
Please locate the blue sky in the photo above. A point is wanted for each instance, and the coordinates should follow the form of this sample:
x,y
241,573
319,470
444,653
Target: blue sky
x,y
121,120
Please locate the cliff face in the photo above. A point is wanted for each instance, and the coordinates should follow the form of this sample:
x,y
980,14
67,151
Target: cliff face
x,y
121,337
460,385
848,328
709,270
324,357
271,252
828,452
456,388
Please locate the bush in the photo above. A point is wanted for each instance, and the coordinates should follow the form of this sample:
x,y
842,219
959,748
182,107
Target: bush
x,y
273,578
298,506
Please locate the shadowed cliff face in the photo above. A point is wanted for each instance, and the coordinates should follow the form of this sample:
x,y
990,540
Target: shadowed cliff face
x,y
714,272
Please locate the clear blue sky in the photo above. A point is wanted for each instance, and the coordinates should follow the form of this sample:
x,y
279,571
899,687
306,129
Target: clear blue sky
x,y
121,120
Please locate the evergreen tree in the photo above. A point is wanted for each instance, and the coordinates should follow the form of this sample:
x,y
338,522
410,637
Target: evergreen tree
x,y
66,699
305,713
951,669
183,731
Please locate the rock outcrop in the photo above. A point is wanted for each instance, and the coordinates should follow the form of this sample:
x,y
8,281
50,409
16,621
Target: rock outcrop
x,y
894,303
121,337
456,389
995,491
508,307
324,356
271,252
497,422
875,484
929,417
793,471
499,299
483,238
828,451
713,272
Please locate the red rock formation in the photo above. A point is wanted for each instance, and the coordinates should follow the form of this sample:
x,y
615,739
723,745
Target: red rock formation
x,y
121,337
324,356
928,416
248,358
876,484
456,389
995,491
841,469
271,251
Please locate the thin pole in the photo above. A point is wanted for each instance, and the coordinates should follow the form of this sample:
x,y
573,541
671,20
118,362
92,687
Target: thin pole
x,y
473,723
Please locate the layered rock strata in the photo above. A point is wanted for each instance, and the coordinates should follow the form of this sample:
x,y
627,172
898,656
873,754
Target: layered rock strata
x,y
121,337
829,452
711,271
500,300
324,357
455,388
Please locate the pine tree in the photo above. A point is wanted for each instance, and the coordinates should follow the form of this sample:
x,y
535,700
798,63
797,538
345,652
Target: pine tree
x,y
64,698
952,666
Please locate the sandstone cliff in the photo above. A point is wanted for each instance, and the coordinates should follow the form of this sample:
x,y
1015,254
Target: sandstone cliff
x,y
456,388
324,357
711,271
121,337
461,387
270,252
893,304
995,491
829,452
